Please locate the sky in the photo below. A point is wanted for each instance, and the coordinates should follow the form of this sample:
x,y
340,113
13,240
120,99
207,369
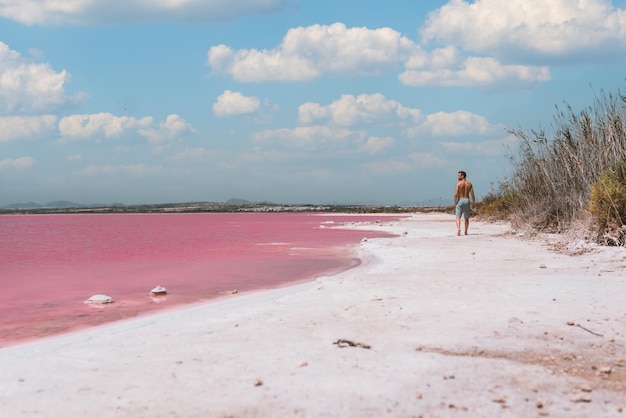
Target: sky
x,y
288,101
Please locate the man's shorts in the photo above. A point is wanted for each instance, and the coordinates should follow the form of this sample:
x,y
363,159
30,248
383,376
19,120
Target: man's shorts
x,y
463,208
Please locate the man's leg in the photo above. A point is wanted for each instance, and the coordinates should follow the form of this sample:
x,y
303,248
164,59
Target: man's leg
x,y
466,225
458,226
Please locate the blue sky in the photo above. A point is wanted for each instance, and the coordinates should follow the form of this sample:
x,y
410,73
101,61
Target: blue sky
x,y
290,101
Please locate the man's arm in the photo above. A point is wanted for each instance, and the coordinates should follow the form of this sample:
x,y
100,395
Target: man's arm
x,y
456,194
472,195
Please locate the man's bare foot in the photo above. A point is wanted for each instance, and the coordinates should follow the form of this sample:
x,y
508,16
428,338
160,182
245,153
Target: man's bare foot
x,y
458,232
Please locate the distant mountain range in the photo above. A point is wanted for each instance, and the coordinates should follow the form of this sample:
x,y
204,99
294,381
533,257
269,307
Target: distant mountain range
x,y
62,204
55,204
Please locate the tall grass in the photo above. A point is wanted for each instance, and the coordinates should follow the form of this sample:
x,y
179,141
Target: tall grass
x,y
554,174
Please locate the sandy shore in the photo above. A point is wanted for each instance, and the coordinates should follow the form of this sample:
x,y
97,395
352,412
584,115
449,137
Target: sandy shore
x,y
479,326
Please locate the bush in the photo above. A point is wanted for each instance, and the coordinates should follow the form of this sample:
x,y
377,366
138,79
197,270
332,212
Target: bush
x,y
497,204
607,206
554,174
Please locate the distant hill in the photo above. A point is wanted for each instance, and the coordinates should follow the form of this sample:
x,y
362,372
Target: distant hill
x,y
244,202
29,205
238,202
54,204
63,204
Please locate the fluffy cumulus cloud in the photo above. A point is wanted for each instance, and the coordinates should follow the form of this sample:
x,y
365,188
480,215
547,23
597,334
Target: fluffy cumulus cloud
x,y
335,50
106,125
314,51
475,71
351,110
539,27
375,144
99,125
324,139
21,163
172,128
27,87
87,12
232,103
26,127
454,124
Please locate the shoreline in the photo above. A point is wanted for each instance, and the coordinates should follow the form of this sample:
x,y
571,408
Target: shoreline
x,y
488,324
49,301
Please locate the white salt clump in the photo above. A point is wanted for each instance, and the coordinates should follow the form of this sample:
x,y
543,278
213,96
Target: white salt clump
x,y
159,290
99,299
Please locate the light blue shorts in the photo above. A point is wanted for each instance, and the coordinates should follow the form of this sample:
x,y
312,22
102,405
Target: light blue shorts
x,y
463,208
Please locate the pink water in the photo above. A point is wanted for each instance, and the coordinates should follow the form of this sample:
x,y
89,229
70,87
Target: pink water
x,y
50,264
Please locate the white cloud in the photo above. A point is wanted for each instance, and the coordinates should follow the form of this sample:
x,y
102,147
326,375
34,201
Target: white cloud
x,y
545,27
314,51
321,138
375,145
235,103
475,71
22,163
133,169
349,110
334,50
27,87
86,12
106,125
25,127
172,128
460,123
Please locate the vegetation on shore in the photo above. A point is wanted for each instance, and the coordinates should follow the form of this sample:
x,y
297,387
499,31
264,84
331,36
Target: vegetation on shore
x,y
218,207
572,179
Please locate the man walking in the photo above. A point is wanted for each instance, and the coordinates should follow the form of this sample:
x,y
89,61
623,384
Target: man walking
x,y
463,204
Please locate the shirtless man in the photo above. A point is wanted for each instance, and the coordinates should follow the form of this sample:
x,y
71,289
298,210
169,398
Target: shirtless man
x,y
462,193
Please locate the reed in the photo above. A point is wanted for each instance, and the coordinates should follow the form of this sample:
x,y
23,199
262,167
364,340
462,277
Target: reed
x,y
554,175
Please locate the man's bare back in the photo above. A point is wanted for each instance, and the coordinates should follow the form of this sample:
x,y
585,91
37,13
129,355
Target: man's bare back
x,y
463,190
464,199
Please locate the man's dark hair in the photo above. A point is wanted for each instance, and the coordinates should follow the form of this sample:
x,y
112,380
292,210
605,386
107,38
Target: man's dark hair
x,y
463,173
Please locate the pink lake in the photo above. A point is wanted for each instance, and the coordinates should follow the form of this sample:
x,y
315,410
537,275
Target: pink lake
x,y
50,264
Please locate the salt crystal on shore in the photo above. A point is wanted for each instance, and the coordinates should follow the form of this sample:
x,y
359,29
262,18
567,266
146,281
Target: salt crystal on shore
x,y
159,290
99,299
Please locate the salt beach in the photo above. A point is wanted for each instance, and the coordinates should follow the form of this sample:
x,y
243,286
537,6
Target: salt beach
x,y
429,324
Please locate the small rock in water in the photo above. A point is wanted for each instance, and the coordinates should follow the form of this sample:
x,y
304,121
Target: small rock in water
x,y
99,299
159,290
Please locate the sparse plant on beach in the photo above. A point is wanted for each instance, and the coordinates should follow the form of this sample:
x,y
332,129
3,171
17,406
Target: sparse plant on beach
x,y
564,178
607,206
497,204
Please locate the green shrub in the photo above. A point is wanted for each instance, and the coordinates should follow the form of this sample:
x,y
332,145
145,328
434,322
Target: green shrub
x,y
607,206
497,204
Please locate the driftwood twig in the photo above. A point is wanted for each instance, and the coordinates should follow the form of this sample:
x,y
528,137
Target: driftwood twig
x,y
589,331
347,343
572,324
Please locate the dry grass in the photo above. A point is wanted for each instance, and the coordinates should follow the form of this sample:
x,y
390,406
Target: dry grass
x,y
554,177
